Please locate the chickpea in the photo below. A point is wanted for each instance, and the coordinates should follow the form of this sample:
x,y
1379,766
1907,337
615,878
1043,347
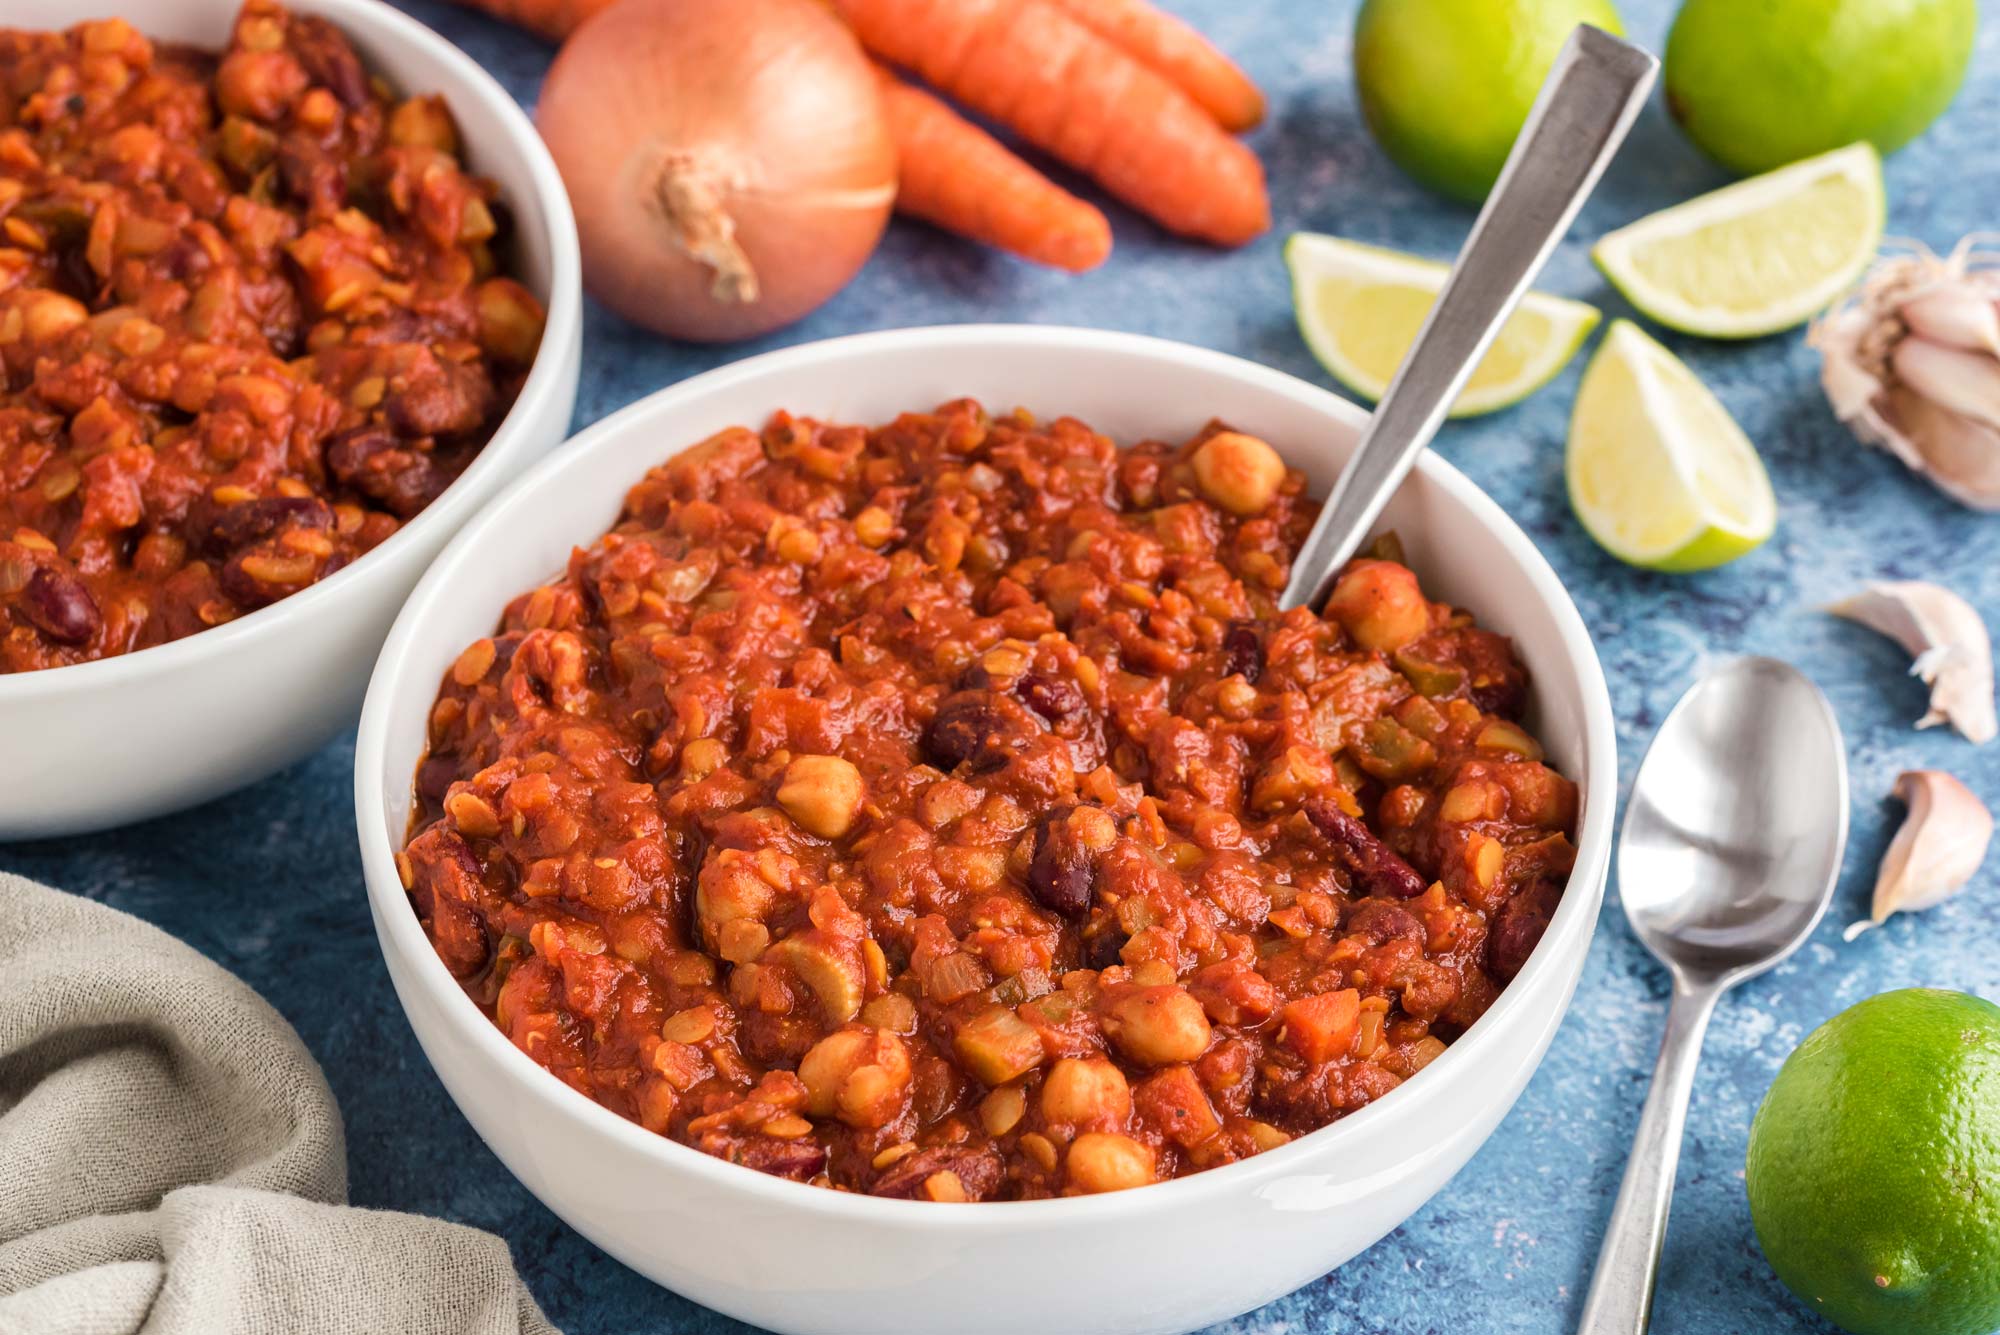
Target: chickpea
x,y
423,122
874,526
731,888
822,793
1158,1026
260,85
861,1076
800,546
1380,605
702,757
1239,473
50,315
1086,1091
510,321
1102,1161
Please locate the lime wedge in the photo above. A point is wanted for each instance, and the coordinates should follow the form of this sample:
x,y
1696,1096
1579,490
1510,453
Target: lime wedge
x,y
1360,307
1658,471
1755,257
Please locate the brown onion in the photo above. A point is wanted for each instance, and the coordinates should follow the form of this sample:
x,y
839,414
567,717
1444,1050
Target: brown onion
x,y
729,160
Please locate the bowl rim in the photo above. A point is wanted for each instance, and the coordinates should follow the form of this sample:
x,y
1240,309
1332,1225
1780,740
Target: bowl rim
x,y
398,931
549,210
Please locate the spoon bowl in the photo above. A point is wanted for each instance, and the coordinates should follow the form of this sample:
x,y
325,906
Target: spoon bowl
x,y
1736,823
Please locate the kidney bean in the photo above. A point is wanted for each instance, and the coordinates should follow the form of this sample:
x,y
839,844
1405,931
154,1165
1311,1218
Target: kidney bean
x,y
1507,696
256,576
440,398
328,59
1104,947
968,727
57,604
1379,868
246,522
183,260
350,454
1381,922
978,1171
316,182
434,776
797,1159
1498,682
379,465
1243,652
1062,874
1054,698
1518,927
74,276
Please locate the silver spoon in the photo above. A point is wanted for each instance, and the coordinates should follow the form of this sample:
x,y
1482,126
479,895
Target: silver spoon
x,y
1592,94
1732,842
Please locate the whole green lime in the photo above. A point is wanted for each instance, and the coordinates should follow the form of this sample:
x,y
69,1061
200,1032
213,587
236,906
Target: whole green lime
x,y
1874,1167
1759,83
1446,84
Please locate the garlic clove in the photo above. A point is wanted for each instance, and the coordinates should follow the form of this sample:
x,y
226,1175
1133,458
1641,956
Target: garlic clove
x,y
1910,361
1954,655
1940,845
1954,315
1967,383
1959,455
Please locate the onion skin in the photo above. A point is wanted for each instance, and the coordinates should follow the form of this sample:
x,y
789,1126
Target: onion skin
x,y
729,161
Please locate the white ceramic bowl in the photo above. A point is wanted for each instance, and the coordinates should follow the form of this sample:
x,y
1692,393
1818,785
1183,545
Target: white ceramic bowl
x,y
117,740
1169,1257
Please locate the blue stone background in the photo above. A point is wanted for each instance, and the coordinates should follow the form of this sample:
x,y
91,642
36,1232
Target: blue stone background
x,y
268,883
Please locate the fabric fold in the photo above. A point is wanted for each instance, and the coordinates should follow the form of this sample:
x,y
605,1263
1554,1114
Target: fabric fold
x,y
172,1161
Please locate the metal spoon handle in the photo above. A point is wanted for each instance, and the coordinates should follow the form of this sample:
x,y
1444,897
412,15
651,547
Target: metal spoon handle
x,y
1588,103
1621,1291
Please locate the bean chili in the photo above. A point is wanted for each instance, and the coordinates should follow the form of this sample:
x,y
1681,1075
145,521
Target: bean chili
x,y
250,323
943,810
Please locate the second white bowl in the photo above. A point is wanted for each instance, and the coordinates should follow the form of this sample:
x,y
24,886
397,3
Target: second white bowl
x,y
104,743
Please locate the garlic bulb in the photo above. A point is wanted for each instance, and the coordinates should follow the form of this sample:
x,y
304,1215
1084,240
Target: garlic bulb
x,y
1953,654
1940,845
1911,362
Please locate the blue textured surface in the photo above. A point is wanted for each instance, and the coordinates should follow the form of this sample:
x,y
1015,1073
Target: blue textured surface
x,y
268,882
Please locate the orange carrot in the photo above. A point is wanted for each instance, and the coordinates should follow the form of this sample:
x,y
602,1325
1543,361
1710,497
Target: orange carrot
x,y
549,19
957,176
1028,65
1173,49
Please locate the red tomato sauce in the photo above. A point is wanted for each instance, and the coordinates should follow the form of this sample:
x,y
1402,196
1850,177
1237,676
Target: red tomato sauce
x,y
943,810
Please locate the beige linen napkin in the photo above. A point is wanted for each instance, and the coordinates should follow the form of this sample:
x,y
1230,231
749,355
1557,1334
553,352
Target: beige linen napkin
x,y
171,1159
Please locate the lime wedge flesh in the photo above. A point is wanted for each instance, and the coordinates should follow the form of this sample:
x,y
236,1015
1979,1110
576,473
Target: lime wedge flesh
x,y
1360,307
1659,473
1755,257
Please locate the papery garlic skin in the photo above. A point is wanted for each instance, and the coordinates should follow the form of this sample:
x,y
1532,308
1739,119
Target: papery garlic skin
x,y
1910,362
1953,653
1941,843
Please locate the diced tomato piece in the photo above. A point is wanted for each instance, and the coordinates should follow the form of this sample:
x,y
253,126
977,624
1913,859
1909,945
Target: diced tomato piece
x,y
1321,1027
